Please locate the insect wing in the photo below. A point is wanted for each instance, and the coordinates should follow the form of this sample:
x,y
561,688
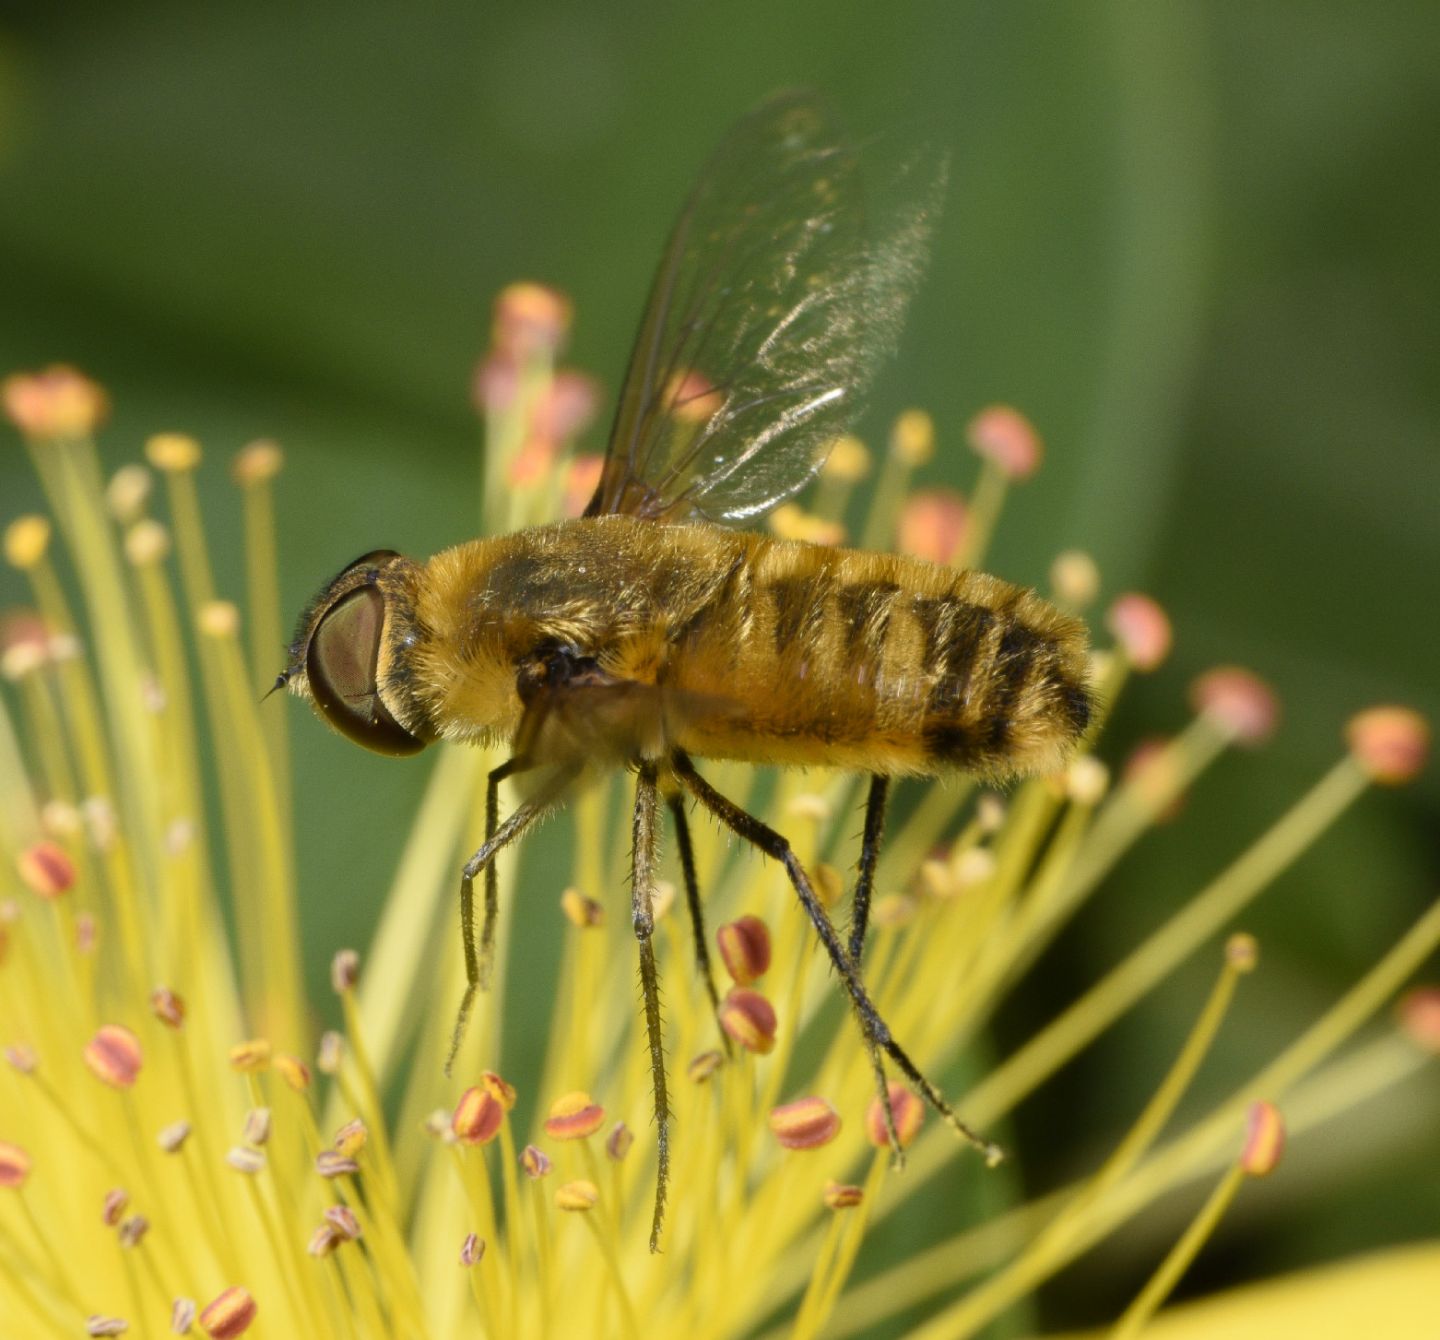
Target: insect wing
x,y
777,299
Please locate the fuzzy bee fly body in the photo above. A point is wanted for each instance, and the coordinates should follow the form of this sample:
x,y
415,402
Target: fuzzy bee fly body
x,y
648,632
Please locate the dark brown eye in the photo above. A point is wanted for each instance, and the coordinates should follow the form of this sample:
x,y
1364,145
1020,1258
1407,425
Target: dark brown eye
x,y
341,667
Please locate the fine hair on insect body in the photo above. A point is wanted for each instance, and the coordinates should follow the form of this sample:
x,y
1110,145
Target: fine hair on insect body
x,y
648,632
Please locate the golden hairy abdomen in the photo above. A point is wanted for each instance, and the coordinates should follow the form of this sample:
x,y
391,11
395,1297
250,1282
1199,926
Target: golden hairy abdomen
x,y
763,649
882,663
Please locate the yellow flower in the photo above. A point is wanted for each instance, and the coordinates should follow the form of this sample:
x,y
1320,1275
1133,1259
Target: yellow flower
x,y
161,1155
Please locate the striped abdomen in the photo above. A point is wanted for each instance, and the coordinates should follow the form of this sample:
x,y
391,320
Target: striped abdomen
x,y
876,662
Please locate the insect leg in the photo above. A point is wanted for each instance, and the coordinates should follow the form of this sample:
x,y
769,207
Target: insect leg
x,y
869,855
523,816
876,1031
697,913
478,969
642,883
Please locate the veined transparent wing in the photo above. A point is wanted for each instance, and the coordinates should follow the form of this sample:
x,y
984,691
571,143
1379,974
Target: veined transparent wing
x,y
781,291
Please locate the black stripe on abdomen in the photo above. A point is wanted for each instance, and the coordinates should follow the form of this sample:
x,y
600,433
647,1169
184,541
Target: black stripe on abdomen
x,y
865,610
799,604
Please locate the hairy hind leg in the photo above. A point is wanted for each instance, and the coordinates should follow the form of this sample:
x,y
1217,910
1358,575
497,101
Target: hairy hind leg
x,y
642,885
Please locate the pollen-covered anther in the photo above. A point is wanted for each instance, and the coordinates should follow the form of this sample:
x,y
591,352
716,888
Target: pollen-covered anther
x,y
1419,1015
478,1116
344,1221
128,493
167,1007
749,1019
14,1165
1240,702
251,1056
330,1054
98,1324
535,1162
133,1230
820,530
344,971
1242,952
182,1315
973,867
26,540
147,542
703,1066
1075,579
1264,1139
618,1142
257,1126
912,437
581,911
578,1195
807,1123
218,619
892,911
848,461
933,525
45,868
101,822
1086,780
1390,743
112,1208
172,1138
745,948
113,1055
990,812
530,319
172,453
351,1138
323,1241
20,1056
246,1159
330,1163
472,1250
62,646
1142,630
574,1116
787,522
499,1089
909,1113
1007,439
936,880
256,462
24,644
56,402
293,1071
59,818
228,1315
809,806
842,1196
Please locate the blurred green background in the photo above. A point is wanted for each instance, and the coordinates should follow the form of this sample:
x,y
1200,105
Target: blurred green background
x,y
1195,243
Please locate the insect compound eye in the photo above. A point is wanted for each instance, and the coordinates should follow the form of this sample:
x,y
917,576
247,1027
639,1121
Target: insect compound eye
x,y
341,665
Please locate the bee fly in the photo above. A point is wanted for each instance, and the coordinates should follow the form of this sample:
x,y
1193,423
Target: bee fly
x,y
646,633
